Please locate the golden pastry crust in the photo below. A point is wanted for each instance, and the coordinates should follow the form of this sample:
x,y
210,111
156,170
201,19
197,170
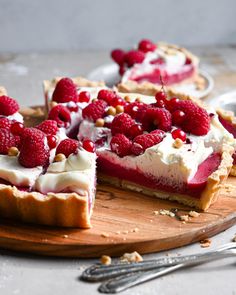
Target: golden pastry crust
x,y
208,196
49,86
61,209
149,88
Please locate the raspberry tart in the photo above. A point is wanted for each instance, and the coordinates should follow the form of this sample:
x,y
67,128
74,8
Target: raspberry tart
x,y
164,145
45,177
153,64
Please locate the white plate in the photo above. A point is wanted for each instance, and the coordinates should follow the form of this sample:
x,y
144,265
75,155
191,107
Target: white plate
x,y
225,101
109,74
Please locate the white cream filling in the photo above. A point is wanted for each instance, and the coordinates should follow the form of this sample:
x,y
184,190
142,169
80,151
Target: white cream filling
x,y
17,117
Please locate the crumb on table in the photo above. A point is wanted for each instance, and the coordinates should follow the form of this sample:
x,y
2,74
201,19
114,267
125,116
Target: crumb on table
x,y
205,243
131,257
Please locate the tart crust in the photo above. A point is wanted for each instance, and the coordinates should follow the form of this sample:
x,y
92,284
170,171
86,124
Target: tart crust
x,y
151,88
61,209
208,196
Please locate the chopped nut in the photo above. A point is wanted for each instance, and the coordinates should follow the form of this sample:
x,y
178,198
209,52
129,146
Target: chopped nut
x,y
205,243
106,260
177,143
105,235
165,212
100,122
119,109
111,111
193,214
131,257
13,151
184,218
127,98
59,158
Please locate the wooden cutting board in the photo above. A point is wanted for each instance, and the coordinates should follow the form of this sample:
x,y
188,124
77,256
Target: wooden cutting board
x,y
123,221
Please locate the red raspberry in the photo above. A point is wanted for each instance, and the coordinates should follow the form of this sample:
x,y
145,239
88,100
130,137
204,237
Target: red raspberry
x,y
61,115
121,124
107,95
49,127
134,57
196,119
144,141
118,56
95,110
17,128
5,123
120,145
135,130
154,118
133,109
34,152
52,141
89,146
67,146
84,96
146,45
178,133
8,106
7,140
65,91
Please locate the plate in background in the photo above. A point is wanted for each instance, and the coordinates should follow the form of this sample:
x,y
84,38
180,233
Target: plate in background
x,y
226,101
109,74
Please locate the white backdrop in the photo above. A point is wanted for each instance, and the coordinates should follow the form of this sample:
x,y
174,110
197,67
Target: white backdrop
x,y
31,25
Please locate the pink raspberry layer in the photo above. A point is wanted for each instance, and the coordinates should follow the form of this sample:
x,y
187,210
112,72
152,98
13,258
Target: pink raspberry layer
x,y
231,129
186,72
192,188
20,188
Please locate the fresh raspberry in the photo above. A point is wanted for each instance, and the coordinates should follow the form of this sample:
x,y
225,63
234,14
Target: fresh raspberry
x,y
8,106
5,123
49,127
134,57
95,110
52,141
17,128
133,109
61,115
67,146
84,96
65,91
154,118
172,104
135,130
7,140
178,133
144,141
146,45
34,152
89,146
120,145
118,56
196,119
107,95
121,124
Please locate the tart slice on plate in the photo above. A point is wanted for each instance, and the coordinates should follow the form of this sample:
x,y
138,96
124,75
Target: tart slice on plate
x,y
156,63
166,146
45,177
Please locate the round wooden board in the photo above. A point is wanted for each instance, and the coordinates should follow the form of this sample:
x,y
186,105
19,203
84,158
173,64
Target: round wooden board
x,y
123,221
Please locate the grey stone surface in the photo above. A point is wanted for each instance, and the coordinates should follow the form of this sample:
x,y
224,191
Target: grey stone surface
x,y
33,275
27,25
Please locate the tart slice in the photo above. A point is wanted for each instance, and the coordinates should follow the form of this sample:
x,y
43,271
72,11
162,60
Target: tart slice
x,y
154,64
46,177
165,146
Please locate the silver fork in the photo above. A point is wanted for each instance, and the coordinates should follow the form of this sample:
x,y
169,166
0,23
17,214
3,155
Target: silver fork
x,y
124,282
100,272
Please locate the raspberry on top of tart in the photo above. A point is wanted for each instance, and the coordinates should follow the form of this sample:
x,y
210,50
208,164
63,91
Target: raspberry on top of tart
x,y
45,177
149,61
161,145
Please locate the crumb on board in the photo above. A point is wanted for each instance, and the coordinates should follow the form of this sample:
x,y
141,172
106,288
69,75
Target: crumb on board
x,y
65,236
105,259
104,235
193,214
135,230
131,257
205,243
164,212
184,218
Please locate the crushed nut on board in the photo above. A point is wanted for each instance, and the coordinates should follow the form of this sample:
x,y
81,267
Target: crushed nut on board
x,y
105,235
184,218
205,243
131,257
193,214
106,260
165,212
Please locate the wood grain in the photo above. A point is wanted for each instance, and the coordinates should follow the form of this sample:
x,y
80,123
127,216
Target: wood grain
x,y
123,221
